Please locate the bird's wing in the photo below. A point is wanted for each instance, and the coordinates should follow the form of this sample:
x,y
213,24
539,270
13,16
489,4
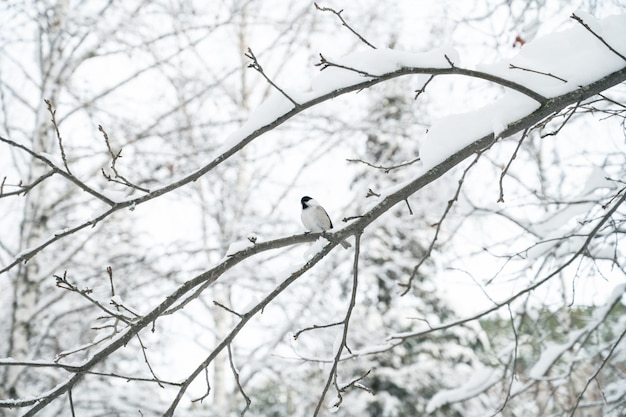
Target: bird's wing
x,y
322,218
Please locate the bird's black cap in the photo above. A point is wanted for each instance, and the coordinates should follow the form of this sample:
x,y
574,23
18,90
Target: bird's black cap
x,y
304,200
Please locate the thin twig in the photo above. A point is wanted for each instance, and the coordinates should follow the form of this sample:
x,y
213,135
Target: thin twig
x,y
449,61
257,66
114,157
579,20
385,169
64,283
407,286
58,132
236,375
230,310
356,384
315,327
325,63
597,372
57,170
332,375
409,206
208,387
110,274
511,66
569,116
24,189
423,89
508,165
145,358
344,23
69,396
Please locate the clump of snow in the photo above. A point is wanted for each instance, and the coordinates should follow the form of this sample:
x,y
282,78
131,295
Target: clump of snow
x,y
238,246
317,246
573,57
478,382
455,132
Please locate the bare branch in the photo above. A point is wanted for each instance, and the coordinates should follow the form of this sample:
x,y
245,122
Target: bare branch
x,y
386,169
344,23
236,375
511,66
230,310
145,358
429,251
586,26
59,139
332,375
355,383
24,189
57,170
114,157
325,63
423,89
257,66
569,116
508,165
315,327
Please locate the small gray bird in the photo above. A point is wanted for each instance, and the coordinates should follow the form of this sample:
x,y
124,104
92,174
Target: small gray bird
x,y
315,218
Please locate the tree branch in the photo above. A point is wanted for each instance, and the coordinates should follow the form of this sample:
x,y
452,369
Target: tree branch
x,y
586,26
332,375
344,23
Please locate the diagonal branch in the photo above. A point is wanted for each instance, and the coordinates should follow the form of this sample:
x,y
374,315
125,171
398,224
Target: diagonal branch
x,y
57,170
508,165
344,23
332,375
586,26
438,225
257,66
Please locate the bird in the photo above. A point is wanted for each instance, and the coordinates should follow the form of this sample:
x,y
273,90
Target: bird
x,y
315,218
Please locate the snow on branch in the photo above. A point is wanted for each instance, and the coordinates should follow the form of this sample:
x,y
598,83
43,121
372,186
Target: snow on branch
x,y
531,97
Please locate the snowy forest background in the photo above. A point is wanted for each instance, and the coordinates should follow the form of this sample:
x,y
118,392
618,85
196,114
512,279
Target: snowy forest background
x,y
152,260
